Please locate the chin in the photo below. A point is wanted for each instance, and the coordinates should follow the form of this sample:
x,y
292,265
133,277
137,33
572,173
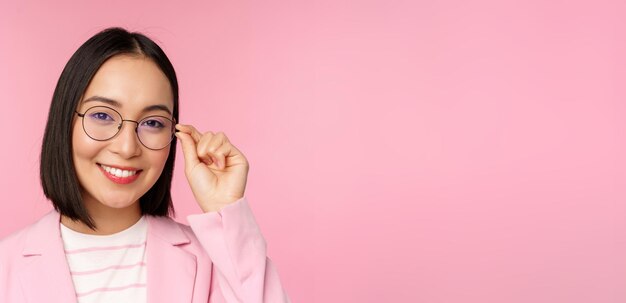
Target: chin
x,y
119,205
118,202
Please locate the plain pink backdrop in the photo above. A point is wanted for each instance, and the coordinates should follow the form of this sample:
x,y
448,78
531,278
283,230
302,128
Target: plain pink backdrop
x,y
400,151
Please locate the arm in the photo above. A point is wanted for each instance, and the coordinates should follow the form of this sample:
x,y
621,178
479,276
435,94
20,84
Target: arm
x,y
242,272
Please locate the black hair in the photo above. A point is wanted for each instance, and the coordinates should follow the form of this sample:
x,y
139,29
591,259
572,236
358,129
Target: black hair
x,y
57,172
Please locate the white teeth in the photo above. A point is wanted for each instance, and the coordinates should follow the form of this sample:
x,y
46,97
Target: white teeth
x,y
118,172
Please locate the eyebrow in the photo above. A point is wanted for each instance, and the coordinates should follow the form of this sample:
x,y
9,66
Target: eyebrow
x,y
118,104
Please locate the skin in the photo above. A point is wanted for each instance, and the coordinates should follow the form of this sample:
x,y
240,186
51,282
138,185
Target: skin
x,y
215,169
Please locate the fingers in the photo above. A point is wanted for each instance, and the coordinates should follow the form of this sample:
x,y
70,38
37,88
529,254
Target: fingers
x,y
209,145
189,129
209,148
189,149
222,153
195,137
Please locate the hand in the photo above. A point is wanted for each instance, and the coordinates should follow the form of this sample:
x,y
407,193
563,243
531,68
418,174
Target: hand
x,y
216,170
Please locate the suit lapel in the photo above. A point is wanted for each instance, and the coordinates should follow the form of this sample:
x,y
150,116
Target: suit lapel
x,y
45,275
171,270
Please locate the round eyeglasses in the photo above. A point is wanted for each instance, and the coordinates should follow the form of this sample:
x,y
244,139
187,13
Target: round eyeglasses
x,y
102,123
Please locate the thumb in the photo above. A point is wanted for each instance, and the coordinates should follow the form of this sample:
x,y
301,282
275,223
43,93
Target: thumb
x,y
189,150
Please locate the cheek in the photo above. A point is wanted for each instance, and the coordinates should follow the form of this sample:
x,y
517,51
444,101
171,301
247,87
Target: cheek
x,y
160,158
83,147
83,151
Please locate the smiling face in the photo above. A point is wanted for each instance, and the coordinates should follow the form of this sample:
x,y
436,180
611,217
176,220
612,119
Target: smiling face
x,y
133,83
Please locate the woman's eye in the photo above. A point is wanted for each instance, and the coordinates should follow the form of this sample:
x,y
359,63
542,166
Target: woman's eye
x,y
153,124
100,116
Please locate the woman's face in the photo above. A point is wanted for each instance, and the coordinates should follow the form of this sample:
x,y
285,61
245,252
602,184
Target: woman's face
x,y
134,83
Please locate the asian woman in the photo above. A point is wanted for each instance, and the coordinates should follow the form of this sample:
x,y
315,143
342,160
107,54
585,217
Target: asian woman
x,y
107,164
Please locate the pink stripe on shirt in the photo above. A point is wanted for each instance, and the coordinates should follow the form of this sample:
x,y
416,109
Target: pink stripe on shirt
x,y
115,267
138,285
89,249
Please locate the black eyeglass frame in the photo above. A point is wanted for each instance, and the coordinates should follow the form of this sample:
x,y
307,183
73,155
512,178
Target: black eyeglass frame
x,y
119,127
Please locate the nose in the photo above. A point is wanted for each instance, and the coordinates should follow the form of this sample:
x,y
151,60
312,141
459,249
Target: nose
x,y
126,143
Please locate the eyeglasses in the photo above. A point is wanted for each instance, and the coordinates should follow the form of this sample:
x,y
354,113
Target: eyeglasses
x,y
102,123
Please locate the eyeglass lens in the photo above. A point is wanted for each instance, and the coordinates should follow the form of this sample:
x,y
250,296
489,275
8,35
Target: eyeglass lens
x,y
103,123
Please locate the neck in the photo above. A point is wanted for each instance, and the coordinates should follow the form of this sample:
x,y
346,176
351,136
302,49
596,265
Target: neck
x,y
108,220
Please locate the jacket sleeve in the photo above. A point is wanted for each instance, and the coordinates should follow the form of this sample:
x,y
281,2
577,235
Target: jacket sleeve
x,y
241,269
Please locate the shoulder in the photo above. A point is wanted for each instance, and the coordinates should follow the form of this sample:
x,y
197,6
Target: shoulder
x,y
13,246
169,228
13,243
175,233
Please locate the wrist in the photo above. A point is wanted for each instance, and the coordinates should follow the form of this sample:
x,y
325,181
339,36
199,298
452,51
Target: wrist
x,y
217,206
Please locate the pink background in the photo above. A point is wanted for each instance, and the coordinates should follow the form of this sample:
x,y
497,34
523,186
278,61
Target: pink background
x,y
401,151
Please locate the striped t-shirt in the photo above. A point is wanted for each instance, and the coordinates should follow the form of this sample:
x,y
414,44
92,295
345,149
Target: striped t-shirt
x,y
109,268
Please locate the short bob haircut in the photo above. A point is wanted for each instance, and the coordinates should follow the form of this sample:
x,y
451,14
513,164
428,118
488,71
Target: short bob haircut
x,y
57,172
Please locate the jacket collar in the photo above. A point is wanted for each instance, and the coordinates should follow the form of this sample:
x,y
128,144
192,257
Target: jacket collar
x,y
45,234
46,274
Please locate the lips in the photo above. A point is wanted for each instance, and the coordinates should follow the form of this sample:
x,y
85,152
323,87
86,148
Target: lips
x,y
116,175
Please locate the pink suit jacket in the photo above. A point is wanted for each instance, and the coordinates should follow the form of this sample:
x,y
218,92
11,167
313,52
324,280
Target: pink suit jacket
x,y
220,257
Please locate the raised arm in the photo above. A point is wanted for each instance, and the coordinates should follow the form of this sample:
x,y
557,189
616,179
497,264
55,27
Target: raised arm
x,y
242,272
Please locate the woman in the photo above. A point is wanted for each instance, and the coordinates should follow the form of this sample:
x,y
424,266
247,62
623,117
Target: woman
x,y
106,165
